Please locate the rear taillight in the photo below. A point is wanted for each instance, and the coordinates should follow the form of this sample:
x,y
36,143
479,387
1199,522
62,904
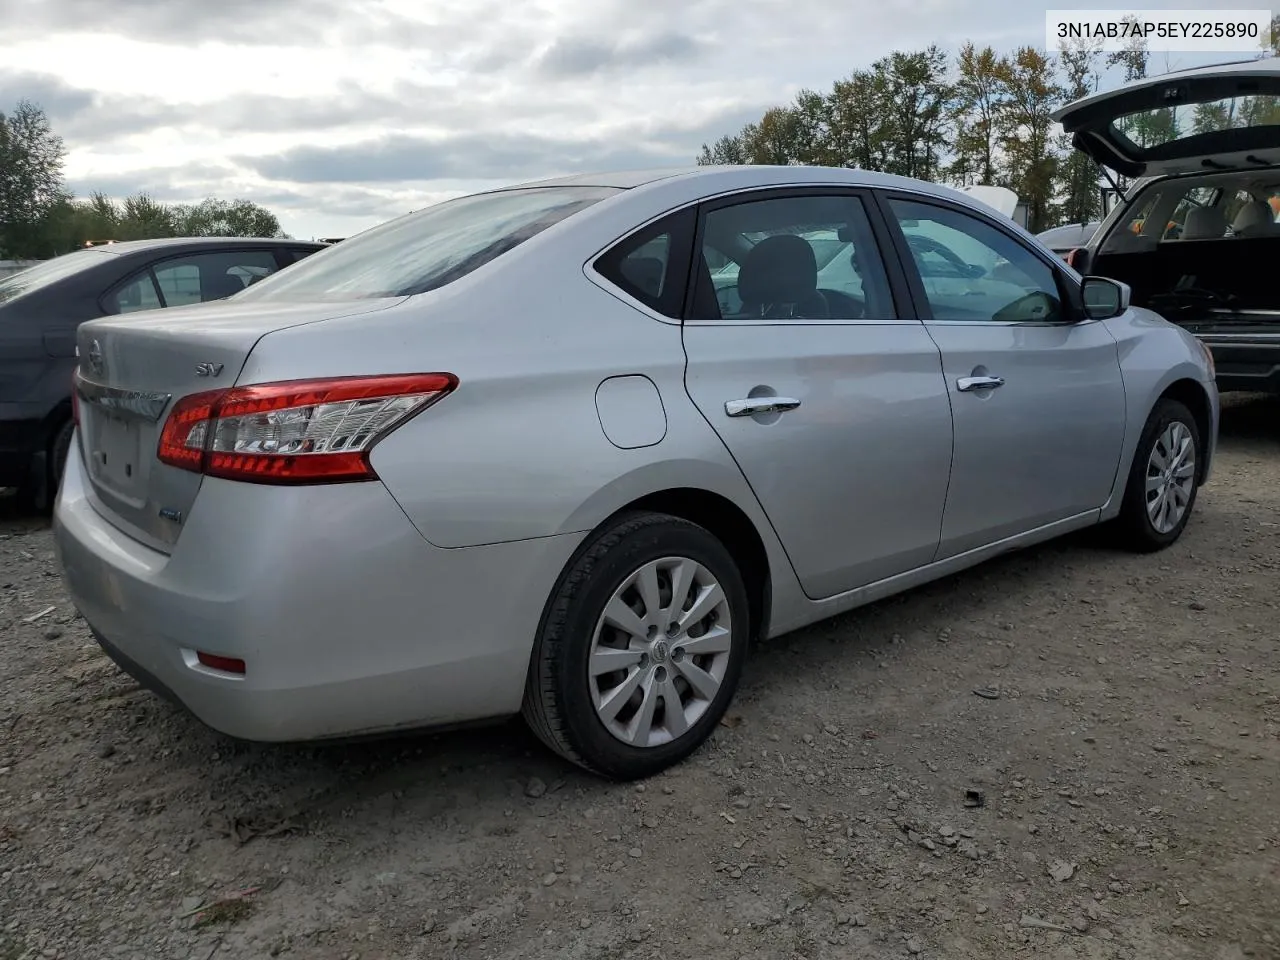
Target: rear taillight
x,y
298,431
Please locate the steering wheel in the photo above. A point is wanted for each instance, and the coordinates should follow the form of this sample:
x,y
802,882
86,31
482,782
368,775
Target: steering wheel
x,y
924,245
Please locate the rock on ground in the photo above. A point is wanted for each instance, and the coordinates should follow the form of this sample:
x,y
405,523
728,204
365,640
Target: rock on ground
x,y
1134,740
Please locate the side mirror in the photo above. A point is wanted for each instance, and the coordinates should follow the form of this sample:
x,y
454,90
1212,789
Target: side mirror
x,y
1104,298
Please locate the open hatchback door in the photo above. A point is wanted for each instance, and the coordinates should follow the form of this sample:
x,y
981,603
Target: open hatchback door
x,y
1223,117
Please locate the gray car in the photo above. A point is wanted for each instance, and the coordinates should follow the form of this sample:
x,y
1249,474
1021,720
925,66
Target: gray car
x,y
41,307
1193,235
567,448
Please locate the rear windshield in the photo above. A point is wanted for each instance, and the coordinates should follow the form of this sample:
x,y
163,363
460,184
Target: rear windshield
x,y
428,249
1165,125
51,271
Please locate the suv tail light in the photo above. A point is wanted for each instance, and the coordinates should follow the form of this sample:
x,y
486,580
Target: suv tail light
x,y
296,431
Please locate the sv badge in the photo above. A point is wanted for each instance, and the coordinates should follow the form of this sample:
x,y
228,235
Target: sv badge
x,y
208,369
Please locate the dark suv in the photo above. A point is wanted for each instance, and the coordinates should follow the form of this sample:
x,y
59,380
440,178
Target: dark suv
x,y
41,307
1194,236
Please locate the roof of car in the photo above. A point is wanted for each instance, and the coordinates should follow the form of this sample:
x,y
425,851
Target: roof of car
x,y
134,246
619,179
747,176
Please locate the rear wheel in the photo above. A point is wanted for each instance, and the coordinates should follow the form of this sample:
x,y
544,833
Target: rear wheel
x,y
59,450
45,473
1163,479
641,648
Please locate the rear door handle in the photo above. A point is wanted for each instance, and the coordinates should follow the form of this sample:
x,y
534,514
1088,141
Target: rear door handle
x,y
968,384
753,406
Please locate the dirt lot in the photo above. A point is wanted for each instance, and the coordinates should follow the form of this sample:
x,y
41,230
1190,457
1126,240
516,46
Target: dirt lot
x,y
1126,747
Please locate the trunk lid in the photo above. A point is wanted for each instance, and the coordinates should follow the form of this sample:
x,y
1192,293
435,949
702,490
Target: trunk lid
x,y
1221,117
132,370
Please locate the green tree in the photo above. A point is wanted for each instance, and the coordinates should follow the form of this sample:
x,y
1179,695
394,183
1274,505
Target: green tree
x,y
859,128
978,99
224,218
1031,164
31,186
728,149
1081,198
891,118
913,96
141,218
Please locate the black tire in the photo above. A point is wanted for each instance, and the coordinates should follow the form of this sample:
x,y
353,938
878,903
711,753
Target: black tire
x,y
558,701
41,489
1134,526
59,450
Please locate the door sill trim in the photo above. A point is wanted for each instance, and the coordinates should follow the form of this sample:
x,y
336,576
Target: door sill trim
x,y
816,610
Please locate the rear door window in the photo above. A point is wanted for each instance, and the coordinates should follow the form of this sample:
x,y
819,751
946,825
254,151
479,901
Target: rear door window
x,y
139,293
202,277
799,257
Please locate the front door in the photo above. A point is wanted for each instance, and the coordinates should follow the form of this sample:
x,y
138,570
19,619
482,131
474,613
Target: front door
x,y
1036,391
830,400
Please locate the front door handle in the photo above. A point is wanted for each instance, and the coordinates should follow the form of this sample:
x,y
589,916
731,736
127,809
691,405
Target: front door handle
x,y
754,406
967,384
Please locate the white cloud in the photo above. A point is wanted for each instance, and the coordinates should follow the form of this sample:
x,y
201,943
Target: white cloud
x,y
339,115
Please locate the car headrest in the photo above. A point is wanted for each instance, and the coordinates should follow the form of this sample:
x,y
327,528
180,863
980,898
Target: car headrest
x,y
1204,223
219,285
1254,219
779,269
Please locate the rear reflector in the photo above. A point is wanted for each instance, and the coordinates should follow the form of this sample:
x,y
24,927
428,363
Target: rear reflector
x,y
225,664
298,431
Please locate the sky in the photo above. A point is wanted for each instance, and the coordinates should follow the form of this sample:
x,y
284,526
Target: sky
x,y
340,114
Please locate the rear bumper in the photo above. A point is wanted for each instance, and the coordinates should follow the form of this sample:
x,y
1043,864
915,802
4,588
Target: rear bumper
x,y
348,621
1245,365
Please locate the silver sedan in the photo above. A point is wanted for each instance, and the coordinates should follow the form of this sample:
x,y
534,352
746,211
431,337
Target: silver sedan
x,y
567,448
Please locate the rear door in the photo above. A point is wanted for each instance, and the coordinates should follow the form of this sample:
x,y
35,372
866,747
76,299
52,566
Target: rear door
x,y
1036,392
1191,121
829,397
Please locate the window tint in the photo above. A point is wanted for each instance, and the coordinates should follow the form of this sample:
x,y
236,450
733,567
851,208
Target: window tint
x,y
138,294
430,248
791,258
180,283
211,276
294,254
972,271
652,264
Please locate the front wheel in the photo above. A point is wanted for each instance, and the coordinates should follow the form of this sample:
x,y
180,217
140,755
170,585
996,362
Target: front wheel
x,y
1163,479
641,648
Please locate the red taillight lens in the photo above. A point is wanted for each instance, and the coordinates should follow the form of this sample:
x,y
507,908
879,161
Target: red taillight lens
x,y
298,431
225,664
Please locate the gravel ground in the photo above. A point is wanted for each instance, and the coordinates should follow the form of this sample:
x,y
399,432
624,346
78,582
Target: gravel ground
x,y
1124,742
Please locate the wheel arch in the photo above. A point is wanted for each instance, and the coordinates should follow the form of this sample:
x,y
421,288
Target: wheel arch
x,y
729,524
1192,395
715,512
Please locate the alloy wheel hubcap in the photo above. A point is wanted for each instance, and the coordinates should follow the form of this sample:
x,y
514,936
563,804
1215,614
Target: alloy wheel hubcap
x,y
1171,477
660,652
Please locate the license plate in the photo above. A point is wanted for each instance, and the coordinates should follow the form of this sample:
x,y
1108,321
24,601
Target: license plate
x,y
114,456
